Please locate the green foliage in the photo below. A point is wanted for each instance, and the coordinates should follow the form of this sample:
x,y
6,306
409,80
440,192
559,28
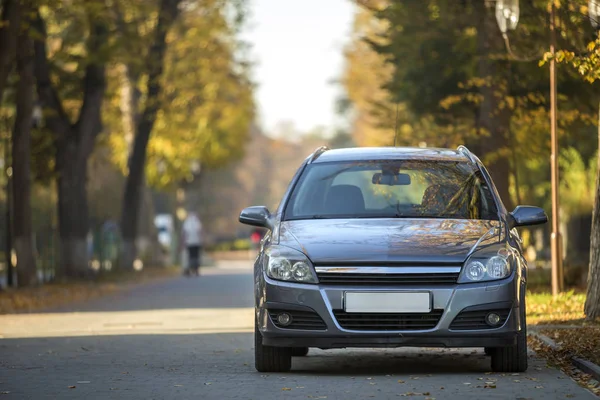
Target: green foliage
x,y
586,64
578,180
206,106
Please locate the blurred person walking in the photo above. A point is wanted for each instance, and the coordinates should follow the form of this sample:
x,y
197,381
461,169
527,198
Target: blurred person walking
x,y
191,238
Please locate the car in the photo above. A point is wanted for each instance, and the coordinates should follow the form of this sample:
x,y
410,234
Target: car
x,y
391,247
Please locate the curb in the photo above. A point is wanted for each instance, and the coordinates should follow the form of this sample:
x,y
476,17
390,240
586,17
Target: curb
x,y
580,363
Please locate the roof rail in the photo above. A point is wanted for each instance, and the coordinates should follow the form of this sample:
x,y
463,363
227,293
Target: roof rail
x,y
317,153
463,149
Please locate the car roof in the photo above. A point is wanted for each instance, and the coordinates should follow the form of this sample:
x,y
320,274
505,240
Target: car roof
x,y
390,153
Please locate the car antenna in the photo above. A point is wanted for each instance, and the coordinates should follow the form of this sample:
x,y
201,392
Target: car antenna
x,y
396,126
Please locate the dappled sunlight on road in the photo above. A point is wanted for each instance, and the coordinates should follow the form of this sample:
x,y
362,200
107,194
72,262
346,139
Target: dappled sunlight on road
x,y
155,322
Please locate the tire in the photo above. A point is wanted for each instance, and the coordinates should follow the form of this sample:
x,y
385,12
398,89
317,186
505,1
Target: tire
x,y
513,358
269,358
299,351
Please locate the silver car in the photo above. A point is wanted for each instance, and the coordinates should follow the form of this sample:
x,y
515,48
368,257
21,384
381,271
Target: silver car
x,y
391,247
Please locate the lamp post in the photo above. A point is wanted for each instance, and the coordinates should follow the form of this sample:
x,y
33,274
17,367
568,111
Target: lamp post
x,y
556,238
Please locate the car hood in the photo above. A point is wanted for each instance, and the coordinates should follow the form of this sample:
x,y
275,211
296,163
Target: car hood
x,y
355,241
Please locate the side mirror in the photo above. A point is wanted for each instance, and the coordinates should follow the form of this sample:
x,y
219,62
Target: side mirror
x,y
527,215
256,216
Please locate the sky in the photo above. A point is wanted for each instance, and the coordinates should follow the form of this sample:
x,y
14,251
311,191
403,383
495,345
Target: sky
x,y
297,46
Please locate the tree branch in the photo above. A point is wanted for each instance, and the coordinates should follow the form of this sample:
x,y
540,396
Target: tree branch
x,y
57,119
9,32
169,10
89,123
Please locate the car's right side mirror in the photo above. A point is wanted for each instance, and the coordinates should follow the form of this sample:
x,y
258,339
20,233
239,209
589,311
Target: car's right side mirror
x,y
527,215
256,216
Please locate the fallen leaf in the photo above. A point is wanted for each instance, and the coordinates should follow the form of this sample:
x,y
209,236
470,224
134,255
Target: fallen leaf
x,y
286,389
5,392
72,387
400,381
539,387
489,387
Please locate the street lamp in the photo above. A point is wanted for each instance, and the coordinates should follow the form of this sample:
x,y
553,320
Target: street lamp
x,y
594,12
507,15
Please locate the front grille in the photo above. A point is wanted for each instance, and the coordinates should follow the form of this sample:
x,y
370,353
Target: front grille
x,y
359,279
387,322
303,320
471,320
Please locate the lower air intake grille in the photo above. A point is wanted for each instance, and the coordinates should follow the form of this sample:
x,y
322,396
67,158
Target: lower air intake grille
x,y
303,320
472,320
387,322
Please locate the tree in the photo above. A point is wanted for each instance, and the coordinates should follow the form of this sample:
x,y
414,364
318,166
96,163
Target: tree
x,y
167,14
203,107
74,141
21,156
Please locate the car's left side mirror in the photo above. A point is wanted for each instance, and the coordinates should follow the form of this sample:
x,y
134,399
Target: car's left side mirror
x,y
256,216
527,215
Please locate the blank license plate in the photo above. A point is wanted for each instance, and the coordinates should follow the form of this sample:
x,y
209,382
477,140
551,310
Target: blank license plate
x,y
361,302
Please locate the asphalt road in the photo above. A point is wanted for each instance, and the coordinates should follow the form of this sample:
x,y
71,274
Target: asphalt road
x,y
192,339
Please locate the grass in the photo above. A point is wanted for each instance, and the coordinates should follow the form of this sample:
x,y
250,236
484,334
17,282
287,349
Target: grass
x,y
61,293
566,308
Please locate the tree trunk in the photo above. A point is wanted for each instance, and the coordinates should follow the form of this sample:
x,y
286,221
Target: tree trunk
x,y
137,162
21,156
74,144
72,209
492,119
9,33
592,302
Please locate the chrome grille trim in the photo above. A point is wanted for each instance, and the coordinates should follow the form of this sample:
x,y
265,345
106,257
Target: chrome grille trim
x,y
399,270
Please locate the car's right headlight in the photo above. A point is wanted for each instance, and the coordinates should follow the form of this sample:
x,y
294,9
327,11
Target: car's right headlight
x,y
286,264
488,265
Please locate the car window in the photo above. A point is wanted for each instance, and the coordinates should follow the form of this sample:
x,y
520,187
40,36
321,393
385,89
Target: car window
x,y
395,188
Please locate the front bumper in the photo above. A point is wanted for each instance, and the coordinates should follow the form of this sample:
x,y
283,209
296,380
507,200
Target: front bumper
x,y
451,299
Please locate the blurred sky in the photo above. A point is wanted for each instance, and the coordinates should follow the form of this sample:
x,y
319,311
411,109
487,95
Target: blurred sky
x,y
297,46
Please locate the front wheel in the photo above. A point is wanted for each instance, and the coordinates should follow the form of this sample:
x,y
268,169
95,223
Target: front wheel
x,y
512,358
269,358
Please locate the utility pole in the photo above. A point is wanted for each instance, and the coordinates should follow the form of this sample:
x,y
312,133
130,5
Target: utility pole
x,y
556,239
8,174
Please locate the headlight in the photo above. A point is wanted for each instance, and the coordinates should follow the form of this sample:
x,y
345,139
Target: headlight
x,y
286,264
489,265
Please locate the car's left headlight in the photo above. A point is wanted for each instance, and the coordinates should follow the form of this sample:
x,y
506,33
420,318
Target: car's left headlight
x,y
488,265
286,264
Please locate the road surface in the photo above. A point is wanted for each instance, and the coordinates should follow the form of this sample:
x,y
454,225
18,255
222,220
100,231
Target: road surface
x,y
188,338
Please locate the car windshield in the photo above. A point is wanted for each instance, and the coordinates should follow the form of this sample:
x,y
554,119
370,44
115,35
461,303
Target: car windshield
x,y
391,189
